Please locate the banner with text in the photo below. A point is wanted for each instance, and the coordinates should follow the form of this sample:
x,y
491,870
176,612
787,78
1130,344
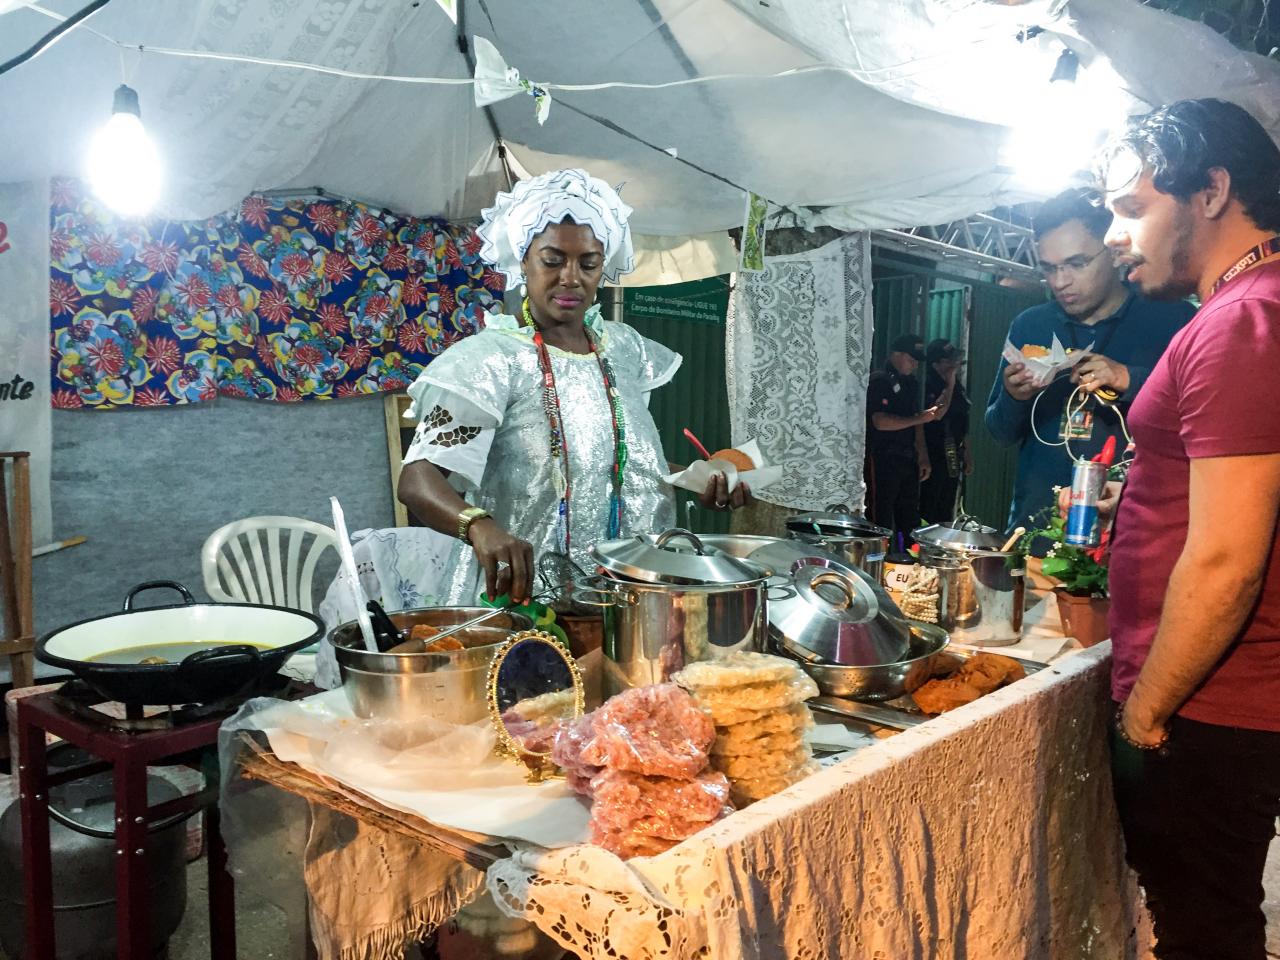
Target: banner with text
x,y
25,412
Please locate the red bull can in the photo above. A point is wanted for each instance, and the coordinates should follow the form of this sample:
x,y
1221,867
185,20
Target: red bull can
x,y
1087,482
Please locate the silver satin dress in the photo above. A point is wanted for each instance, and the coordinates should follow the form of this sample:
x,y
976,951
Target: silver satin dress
x,y
480,416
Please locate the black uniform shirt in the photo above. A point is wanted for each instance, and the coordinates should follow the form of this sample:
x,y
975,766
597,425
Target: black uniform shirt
x,y
890,392
954,424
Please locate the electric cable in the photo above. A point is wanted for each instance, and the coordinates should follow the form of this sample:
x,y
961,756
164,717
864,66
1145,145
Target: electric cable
x,y
53,36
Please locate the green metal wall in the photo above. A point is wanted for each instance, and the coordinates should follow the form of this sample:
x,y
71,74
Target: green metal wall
x,y
696,397
903,306
989,491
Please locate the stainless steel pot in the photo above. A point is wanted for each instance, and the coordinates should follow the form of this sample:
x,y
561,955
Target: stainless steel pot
x,y
982,592
410,685
651,631
825,607
657,617
858,541
882,681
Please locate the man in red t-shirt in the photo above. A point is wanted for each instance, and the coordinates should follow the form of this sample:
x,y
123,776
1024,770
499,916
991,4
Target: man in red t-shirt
x,y
1195,561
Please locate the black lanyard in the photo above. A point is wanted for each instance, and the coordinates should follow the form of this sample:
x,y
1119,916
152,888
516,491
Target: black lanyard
x,y
1099,346
1263,250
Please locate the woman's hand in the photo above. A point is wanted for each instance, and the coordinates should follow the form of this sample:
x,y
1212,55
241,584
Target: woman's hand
x,y
717,496
507,562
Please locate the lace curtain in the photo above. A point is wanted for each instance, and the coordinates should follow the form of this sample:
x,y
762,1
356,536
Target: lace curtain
x,y
799,349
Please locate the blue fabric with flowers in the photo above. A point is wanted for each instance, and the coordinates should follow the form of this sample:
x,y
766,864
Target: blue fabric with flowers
x,y
282,300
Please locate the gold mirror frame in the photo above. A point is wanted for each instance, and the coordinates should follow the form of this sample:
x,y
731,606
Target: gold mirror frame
x,y
538,765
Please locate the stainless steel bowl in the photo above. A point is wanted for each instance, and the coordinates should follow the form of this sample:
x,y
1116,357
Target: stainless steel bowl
x,y
883,681
409,685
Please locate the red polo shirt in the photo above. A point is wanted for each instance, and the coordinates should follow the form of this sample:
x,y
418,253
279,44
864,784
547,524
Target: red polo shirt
x,y
1214,393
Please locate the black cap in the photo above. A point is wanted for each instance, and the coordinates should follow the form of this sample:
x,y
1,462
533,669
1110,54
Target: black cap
x,y
942,349
908,343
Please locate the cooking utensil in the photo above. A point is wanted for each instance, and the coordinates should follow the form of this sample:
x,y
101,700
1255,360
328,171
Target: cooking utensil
x,y
867,712
671,600
675,556
410,684
697,444
847,534
982,587
829,609
553,591
258,640
384,631
881,681
1013,538
353,575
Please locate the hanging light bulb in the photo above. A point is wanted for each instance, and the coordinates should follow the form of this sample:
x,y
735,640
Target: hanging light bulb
x,y
1054,145
124,165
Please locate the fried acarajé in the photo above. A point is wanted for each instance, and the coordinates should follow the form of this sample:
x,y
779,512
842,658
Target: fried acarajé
x,y
977,676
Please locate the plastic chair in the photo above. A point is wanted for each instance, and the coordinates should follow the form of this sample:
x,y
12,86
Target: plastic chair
x,y
271,576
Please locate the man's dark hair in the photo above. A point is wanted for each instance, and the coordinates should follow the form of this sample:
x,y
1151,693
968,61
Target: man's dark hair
x,y
1075,204
1179,145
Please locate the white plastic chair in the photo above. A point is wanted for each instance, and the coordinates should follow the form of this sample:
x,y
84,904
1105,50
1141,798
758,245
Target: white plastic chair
x,y
273,576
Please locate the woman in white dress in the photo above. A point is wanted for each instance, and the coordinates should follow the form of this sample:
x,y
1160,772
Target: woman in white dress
x,y
541,420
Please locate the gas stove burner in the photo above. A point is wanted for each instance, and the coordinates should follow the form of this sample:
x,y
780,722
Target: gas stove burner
x,y
89,705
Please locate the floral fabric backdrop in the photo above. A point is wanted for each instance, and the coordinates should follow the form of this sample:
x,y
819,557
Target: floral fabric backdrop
x,y
283,300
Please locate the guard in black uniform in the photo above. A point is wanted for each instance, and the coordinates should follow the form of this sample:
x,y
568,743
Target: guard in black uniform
x,y
896,455
946,439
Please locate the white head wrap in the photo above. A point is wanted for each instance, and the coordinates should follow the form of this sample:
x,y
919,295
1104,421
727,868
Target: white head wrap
x,y
516,218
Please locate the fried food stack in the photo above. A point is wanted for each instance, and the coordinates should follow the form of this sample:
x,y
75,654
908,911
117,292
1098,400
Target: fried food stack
x,y
757,703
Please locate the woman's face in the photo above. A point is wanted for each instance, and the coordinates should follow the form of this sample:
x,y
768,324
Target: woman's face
x,y
562,269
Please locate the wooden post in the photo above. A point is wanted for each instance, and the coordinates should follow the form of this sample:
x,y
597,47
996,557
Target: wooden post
x,y
16,597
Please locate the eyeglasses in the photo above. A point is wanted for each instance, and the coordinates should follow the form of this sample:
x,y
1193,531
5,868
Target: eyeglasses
x,y
1069,267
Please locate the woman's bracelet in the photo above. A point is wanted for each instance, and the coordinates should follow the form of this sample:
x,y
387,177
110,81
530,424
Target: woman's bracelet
x,y
1134,743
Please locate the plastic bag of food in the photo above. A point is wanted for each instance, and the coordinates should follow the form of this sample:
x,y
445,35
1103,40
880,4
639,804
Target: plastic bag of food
x,y
657,730
566,752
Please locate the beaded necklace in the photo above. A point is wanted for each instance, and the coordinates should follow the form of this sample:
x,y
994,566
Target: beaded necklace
x,y
560,440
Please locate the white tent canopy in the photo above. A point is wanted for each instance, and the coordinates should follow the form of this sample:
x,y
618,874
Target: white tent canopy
x,y
907,131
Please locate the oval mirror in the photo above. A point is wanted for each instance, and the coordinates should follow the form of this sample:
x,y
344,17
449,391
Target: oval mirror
x,y
534,686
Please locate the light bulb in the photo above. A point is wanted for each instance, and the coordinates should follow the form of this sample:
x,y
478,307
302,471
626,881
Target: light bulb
x,y
1047,152
124,166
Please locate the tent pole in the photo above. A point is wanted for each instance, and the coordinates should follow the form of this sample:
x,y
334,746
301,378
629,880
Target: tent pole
x,y
464,47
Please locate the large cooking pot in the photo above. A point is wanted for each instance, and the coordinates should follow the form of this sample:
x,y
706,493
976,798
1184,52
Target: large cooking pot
x,y
411,684
210,651
821,606
670,600
849,535
982,588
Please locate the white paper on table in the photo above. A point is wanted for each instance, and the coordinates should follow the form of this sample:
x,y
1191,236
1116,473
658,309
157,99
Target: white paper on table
x,y
1044,369
837,737
698,474
491,798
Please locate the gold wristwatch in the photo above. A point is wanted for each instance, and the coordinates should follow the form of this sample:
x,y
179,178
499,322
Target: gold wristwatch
x,y
467,517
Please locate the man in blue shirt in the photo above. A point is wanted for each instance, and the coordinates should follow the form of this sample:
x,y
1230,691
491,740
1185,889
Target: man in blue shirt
x,y
1091,308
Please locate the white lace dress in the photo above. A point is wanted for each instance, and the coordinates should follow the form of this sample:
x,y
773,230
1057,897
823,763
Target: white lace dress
x,y
480,411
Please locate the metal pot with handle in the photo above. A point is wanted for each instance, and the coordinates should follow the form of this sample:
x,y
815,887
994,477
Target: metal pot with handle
x,y
982,587
849,535
669,600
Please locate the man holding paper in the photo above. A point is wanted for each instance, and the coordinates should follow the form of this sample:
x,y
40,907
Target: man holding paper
x,y
1103,334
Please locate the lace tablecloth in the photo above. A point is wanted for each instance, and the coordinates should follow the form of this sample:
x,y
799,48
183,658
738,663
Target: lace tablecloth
x,y
987,832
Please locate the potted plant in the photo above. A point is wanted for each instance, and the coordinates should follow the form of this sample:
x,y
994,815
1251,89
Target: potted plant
x,y
1081,576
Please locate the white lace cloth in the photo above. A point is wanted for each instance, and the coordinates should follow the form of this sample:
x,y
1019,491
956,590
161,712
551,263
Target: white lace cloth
x,y
988,832
799,345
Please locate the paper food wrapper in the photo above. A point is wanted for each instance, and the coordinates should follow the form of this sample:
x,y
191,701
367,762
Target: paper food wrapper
x,y
697,475
1044,369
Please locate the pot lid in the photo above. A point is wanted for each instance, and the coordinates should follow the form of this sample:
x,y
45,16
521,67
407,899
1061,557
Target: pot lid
x,y
826,607
963,533
836,521
675,557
